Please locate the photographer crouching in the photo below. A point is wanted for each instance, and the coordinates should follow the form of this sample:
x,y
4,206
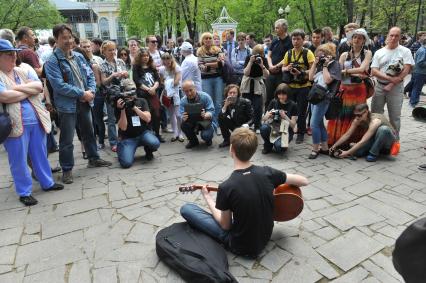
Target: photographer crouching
x,y
133,116
279,122
236,111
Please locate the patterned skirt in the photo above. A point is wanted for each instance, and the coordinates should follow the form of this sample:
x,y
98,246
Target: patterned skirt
x,y
353,94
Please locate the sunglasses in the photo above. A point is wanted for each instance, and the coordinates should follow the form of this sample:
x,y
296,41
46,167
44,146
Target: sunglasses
x,y
123,54
207,38
153,41
358,115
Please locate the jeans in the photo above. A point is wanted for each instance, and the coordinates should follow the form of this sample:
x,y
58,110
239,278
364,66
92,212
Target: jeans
x,y
83,119
214,88
418,82
256,102
319,133
191,129
32,143
300,96
265,132
98,110
381,142
126,148
204,221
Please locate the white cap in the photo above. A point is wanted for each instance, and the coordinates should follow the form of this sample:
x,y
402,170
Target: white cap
x,y
359,31
186,46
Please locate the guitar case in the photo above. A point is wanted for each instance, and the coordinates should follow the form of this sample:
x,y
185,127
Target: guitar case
x,y
193,254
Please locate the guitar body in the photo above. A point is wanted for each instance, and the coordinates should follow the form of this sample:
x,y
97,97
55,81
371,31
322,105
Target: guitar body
x,y
288,202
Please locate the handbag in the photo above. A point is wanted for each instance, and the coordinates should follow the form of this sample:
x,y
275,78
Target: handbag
x,y
335,106
165,100
317,94
5,124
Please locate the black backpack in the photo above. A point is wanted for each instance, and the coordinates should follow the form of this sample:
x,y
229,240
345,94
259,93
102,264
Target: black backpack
x,y
193,254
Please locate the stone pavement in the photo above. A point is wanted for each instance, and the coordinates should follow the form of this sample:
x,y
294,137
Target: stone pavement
x,y
102,227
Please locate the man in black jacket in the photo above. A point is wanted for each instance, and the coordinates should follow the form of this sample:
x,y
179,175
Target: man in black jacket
x,y
236,111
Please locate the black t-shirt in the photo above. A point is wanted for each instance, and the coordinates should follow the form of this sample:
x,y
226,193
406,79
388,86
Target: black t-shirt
x,y
290,107
279,47
135,127
144,76
248,194
256,71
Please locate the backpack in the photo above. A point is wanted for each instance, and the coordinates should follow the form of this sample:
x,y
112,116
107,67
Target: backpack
x,y
287,77
5,123
193,254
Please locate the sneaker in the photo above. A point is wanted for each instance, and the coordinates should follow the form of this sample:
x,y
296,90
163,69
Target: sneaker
x,y
371,158
161,139
28,200
149,156
167,130
55,187
67,177
266,151
422,167
300,138
101,146
191,145
224,144
98,163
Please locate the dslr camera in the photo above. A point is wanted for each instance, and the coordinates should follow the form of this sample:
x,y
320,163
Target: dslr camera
x,y
321,60
276,117
297,78
258,59
116,92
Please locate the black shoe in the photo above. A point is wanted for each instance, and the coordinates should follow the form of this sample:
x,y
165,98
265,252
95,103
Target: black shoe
x,y
98,163
191,145
300,138
28,200
67,177
55,149
266,150
149,156
55,187
56,169
314,154
84,155
224,144
209,143
160,138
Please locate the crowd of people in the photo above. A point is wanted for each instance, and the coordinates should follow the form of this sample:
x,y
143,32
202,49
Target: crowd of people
x,y
282,89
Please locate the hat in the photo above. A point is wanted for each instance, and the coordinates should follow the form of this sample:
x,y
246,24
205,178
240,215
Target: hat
x,y
5,45
186,46
359,31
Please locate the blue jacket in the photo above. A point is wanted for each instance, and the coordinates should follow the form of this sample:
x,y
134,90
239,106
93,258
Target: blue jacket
x,y
420,67
67,93
202,98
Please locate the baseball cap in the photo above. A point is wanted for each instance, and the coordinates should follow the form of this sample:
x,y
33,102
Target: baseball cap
x,y
186,46
5,45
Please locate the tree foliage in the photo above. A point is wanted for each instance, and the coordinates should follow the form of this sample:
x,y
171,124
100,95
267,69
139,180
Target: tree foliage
x,y
37,14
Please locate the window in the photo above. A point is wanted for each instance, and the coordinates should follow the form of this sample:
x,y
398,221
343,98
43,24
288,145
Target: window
x,y
121,33
104,28
88,28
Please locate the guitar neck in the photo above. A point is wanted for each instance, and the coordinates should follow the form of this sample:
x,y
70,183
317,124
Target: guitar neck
x,y
194,187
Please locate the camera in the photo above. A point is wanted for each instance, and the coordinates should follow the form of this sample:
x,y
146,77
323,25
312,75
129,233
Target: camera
x,y
276,115
258,59
321,60
115,92
232,99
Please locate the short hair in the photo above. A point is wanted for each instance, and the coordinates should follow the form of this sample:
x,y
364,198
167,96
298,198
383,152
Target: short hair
x,y
317,31
148,36
282,88
241,35
229,87
106,44
7,34
298,32
51,40
361,107
60,28
269,36
23,31
328,48
97,41
251,35
179,40
283,23
76,40
232,32
84,40
351,25
244,143
258,49
327,29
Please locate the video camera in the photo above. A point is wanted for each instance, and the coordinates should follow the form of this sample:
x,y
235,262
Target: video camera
x,y
116,92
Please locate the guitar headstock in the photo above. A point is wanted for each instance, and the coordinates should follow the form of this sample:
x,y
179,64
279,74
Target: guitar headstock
x,y
194,187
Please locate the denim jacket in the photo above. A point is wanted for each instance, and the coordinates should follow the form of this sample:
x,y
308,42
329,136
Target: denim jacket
x,y
67,93
202,98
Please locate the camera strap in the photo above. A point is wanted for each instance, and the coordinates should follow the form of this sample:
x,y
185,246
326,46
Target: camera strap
x,y
304,53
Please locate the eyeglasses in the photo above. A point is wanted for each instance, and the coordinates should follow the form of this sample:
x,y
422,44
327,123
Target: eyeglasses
x,y
359,115
123,54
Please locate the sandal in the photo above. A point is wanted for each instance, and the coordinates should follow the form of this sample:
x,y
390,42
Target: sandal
x,y
314,154
324,151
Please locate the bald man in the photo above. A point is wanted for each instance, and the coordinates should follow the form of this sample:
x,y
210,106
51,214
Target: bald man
x,y
390,65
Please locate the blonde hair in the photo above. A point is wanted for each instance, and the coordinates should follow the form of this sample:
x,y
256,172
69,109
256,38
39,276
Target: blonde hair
x,y
328,49
203,51
244,143
258,49
107,44
168,56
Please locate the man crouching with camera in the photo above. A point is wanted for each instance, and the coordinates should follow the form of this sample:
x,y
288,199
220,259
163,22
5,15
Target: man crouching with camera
x,y
279,122
133,118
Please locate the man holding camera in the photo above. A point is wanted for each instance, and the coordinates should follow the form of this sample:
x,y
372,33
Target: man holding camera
x,y
133,116
296,63
196,109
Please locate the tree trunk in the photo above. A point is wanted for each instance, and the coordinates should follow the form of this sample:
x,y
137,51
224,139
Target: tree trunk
x,y
311,9
350,10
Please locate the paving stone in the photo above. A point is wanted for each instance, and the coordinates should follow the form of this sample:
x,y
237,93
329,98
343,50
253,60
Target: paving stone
x,y
378,273
129,272
105,275
5,269
32,228
260,274
246,262
63,196
80,272
384,240
355,275
352,217
12,219
371,280
411,207
157,217
391,232
115,191
350,249
386,263
135,253
15,277
311,192
7,254
397,215
56,275
78,206
10,236
88,193
143,233
364,188
275,259
69,224
317,204
162,269
251,280
418,196
327,233
297,272
237,271
125,202
26,239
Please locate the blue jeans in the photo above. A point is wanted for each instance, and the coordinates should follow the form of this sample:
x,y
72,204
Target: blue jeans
x,y
204,221
418,82
319,133
191,129
98,113
83,119
214,88
265,132
126,148
381,142
32,143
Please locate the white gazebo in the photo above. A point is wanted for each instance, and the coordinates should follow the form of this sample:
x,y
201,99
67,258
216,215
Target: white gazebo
x,y
223,24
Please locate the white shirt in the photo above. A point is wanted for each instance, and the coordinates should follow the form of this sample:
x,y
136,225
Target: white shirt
x,y
190,71
156,57
169,80
385,57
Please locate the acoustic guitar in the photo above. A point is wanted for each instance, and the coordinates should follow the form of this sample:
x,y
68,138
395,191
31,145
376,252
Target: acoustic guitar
x,y
288,201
